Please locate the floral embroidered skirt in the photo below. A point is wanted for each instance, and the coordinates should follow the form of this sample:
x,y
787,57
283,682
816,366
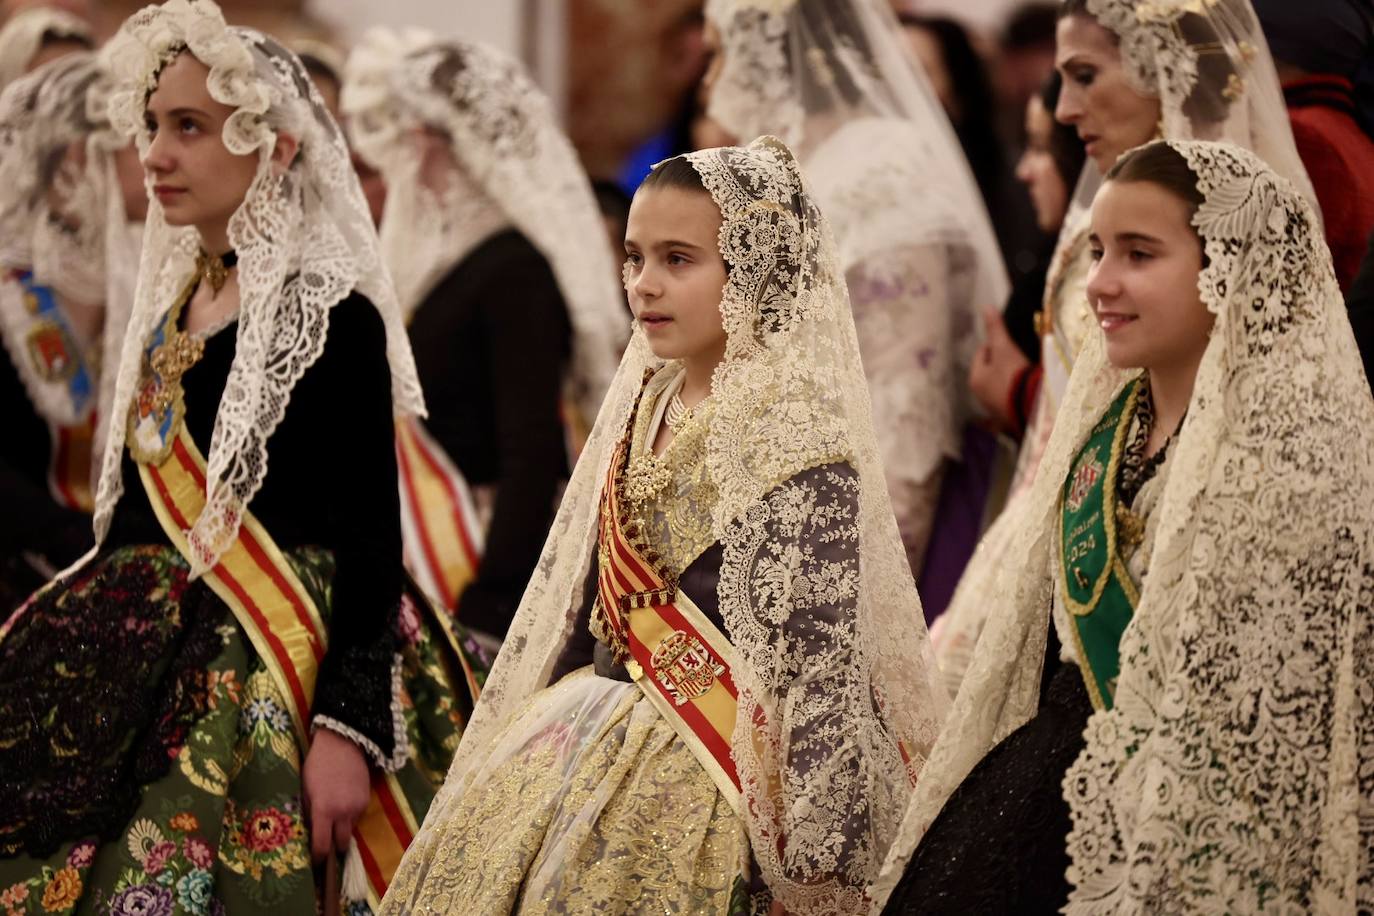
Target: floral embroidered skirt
x,y
588,802
147,759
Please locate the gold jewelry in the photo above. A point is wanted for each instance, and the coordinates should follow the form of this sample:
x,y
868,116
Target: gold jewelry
x,y
170,360
214,269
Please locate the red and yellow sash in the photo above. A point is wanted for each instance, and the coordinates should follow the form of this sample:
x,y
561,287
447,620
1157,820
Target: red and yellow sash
x,y
269,601
69,471
679,659
439,524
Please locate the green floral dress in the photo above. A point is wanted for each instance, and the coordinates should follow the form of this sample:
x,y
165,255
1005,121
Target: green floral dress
x,y
188,761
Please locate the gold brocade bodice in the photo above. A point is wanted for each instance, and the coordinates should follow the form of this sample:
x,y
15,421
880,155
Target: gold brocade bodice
x,y
671,495
666,500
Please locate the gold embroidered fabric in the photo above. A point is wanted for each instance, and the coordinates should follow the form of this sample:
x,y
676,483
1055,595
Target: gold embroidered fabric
x,y
676,509
837,703
588,803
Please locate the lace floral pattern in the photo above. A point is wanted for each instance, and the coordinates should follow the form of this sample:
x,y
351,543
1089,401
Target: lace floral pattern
x,y
914,240
304,241
513,167
122,651
1234,772
802,508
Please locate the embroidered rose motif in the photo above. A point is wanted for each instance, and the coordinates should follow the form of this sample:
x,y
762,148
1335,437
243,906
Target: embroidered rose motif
x,y
198,852
62,891
142,900
81,855
193,891
159,857
14,896
266,829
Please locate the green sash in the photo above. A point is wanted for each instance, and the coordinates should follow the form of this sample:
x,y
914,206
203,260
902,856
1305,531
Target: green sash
x,y
1097,588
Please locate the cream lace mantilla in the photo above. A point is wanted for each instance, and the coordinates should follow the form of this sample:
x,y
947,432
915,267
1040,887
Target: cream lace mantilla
x,y
838,702
1235,772
304,241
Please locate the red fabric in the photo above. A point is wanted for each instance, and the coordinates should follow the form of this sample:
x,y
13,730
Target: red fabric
x,y
1340,161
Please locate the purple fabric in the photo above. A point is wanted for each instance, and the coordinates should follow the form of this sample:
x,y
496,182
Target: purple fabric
x,y
958,521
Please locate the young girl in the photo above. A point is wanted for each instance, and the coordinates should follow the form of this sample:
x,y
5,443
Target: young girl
x,y
507,284
1173,713
740,699
233,681
1131,71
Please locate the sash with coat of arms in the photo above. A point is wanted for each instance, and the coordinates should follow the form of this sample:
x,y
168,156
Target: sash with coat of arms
x,y
670,648
58,377
1095,585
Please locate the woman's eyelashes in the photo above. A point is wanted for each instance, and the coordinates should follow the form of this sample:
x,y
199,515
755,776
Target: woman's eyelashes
x,y
1083,76
185,125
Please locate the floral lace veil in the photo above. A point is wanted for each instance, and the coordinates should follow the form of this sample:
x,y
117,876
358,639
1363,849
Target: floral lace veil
x,y
789,395
304,242
1235,769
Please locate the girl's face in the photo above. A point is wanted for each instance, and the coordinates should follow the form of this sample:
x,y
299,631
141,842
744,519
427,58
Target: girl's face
x,y
1037,170
1143,284
674,273
1096,99
195,178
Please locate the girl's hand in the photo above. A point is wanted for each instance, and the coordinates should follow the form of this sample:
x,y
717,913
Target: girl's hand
x,y
337,786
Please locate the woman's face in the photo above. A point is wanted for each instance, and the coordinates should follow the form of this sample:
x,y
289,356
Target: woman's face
x,y
195,178
1096,99
674,273
1038,171
1143,284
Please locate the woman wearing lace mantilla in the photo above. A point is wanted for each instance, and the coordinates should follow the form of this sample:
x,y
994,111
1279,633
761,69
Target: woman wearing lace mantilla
x,y
60,210
835,80
739,703
493,236
1175,69
1180,686
234,679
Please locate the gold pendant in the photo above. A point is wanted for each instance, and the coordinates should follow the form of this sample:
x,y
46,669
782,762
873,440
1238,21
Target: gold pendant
x,y
211,269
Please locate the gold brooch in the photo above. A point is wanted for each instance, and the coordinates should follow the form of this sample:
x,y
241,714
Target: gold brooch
x,y
645,477
1130,527
211,269
170,360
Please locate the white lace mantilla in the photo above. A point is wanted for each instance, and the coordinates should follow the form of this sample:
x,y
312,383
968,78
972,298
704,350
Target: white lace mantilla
x,y
304,241
512,166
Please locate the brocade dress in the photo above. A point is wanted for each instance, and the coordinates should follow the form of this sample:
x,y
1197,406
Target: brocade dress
x,y
148,760
590,801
